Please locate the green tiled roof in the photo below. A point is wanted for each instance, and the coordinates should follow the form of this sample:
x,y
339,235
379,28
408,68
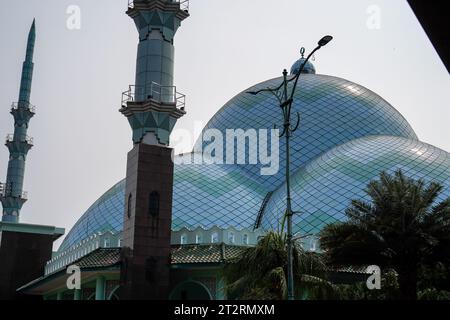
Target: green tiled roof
x,y
351,269
100,258
185,254
181,254
210,253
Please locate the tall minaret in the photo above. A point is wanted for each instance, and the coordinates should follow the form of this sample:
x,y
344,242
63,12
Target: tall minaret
x,y
12,195
152,107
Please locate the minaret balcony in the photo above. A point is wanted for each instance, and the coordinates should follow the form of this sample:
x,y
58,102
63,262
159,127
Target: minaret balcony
x,y
167,96
23,105
22,112
6,191
184,4
28,140
3,188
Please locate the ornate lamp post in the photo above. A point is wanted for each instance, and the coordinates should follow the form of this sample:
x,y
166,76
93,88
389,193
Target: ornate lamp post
x,y
285,100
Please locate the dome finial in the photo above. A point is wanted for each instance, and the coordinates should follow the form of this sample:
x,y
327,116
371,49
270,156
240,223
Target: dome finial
x,y
302,52
308,68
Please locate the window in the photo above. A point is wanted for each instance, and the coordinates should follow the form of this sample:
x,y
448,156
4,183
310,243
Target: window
x,y
231,237
120,242
183,239
130,198
106,243
153,204
215,237
245,239
198,238
312,245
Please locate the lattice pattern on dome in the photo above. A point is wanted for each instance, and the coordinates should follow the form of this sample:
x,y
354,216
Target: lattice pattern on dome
x,y
204,195
214,195
106,214
333,111
324,189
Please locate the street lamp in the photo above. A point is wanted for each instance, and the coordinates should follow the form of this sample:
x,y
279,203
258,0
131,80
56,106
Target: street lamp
x,y
285,100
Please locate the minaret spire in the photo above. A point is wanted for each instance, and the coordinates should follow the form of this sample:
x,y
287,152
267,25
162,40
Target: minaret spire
x,y
12,195
27,70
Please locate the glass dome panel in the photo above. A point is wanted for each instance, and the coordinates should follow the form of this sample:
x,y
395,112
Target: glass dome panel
x,y
333,111
324,188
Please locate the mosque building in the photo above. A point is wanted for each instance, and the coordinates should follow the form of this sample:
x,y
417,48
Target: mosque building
x,y
167,229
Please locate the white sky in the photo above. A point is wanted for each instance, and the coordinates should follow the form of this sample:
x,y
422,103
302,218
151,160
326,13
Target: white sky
x,y
81,139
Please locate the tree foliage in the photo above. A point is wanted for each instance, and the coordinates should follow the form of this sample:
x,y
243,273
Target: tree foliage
x,y
261,272
401,228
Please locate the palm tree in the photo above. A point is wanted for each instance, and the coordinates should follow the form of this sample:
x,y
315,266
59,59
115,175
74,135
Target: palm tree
x,y
401,228
260,272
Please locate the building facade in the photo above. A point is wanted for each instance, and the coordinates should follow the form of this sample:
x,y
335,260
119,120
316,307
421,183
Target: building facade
x,y
169,227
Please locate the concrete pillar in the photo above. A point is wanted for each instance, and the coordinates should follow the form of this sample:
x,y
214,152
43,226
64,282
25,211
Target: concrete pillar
x,y
77,294
59,296
100,286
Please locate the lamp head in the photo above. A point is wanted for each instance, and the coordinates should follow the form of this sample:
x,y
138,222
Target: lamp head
x,y
324,41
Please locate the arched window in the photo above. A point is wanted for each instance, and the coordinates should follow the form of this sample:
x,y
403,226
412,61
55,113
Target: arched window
x,y
130,198
106,243
183,239
153,204
215,237
231,237
245,239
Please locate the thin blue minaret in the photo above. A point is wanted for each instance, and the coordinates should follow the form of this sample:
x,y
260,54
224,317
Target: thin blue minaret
x,y
12,195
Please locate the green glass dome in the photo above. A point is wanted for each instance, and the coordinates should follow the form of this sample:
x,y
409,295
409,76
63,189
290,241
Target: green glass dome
x,y
333,111
348,134
322,190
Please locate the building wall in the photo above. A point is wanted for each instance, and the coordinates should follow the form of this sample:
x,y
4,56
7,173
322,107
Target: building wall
x,y
23,257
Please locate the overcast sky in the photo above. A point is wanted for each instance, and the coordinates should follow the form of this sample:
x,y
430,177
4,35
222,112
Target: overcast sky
x,y
81,140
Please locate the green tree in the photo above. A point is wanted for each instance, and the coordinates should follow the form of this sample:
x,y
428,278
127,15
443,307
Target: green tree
x,y
359,291
261,272
401,228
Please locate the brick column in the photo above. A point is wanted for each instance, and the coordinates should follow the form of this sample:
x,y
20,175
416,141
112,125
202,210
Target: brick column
x,y
147,223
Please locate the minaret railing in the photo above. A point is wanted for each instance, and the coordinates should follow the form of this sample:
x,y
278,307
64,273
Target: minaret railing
x,y
3,188
28,139
155,92
28,106
184,4
6,191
